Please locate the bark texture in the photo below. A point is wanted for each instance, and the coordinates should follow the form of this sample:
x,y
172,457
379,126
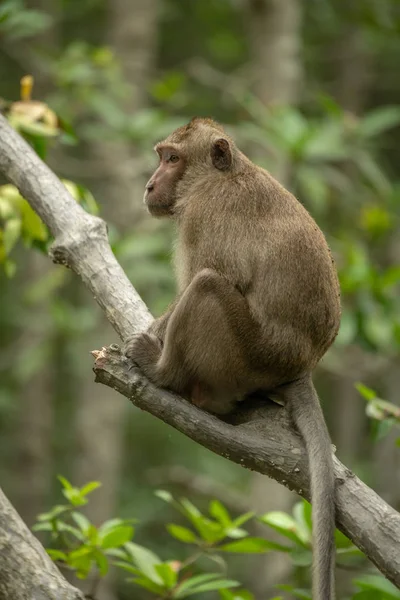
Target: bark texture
x,y
26,571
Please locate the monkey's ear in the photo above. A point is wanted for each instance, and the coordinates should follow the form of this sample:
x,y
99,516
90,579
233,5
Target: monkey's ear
x,y
221,155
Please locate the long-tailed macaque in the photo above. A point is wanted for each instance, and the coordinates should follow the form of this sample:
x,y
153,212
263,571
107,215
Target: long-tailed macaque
x,y
258,300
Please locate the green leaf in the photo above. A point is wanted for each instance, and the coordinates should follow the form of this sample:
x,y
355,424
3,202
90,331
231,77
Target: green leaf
x,y
182,533
252,545
190,509
243,519
82,522
283,524
302,516
145,560
219,512
379,120
381,410
219,584
65,527
93,535
235,533
101,562
127,567
89,487
238,595
65,483
365,391
112,524
11,234
117,537
201,583
210,531
167,574
10,266
74,496
55,512
42,527
379,584
192,582
164,495
81,561
149,585
56,554
117,553
33,227
342,542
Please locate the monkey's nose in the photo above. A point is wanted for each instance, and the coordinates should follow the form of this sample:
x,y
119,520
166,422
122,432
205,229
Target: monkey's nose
x,y
150,187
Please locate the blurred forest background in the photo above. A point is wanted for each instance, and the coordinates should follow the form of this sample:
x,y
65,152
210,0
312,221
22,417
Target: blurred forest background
x,y
310,89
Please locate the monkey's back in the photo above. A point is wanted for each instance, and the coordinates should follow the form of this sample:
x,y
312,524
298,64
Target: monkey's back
x,y
272,250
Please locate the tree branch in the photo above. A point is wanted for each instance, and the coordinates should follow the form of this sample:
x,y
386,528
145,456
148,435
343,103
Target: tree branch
x,y
26,571
260,437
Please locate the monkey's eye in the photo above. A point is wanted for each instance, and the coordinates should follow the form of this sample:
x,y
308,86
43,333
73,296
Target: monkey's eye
x,y
173,158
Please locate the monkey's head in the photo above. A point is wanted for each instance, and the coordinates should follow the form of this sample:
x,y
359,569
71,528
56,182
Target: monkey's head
x,y
196,149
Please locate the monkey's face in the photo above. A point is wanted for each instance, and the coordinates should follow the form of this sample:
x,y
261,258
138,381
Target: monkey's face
x,y
191,153
160,195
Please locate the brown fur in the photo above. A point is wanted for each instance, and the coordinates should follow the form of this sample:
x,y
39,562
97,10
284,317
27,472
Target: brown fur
x,y
258,303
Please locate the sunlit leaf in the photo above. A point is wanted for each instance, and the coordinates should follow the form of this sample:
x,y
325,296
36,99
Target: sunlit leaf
x,y
252,545
11,234
56,554
182,533
101,562
366,392
302,516
65,483
145,560
283,523
164,495
219,512
203,583
149,584
117,537
168,575
82,521
89,487
227,594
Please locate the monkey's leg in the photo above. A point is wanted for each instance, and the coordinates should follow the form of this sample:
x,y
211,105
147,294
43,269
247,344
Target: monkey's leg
x,y
159,326
206,342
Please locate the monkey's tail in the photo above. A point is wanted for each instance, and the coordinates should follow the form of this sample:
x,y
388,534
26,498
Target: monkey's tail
x,y
309,419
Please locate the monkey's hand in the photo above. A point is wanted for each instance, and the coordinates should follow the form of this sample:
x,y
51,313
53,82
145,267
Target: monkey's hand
x,y
144,350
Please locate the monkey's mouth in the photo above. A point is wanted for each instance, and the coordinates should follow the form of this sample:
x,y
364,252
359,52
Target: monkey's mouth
x,y
158,210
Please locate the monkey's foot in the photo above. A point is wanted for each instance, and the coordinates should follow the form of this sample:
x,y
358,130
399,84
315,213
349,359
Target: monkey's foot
x,y
144,350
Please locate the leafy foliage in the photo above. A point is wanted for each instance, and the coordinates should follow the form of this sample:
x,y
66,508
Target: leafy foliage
x,y
85,548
